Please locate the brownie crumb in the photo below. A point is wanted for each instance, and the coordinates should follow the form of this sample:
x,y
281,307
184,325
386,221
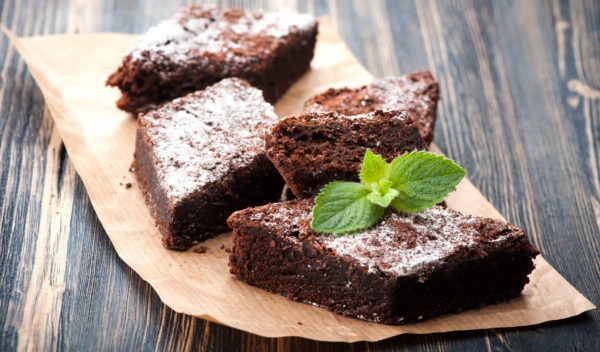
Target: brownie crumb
x,y
222,246
120,183
128,185
228,250
299,323
201,249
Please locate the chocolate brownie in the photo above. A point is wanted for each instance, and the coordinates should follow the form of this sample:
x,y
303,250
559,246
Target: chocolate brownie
x,y
312,149
416,92
201,45
405,268
201,157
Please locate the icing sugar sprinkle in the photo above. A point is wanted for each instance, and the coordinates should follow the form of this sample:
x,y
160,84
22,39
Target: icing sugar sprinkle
x,y
399,115
383,246
199,138
390,93
197,30
390,246
401,92
331,115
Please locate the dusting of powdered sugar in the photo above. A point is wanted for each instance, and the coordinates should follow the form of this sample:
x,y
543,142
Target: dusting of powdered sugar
x,y
398,115
201,137
406,92
395,114
195,31
400,93
384,247
400,244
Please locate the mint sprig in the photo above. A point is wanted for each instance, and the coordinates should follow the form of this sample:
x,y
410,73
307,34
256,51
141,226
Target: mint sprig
x,y
344,207
411,182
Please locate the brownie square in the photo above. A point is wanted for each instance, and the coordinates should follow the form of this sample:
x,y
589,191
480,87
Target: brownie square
x,y
405,268
312,149
417,93
201,157
201,45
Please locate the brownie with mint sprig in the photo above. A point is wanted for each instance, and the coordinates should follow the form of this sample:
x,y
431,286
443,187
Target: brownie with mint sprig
x,y
312,149
405,268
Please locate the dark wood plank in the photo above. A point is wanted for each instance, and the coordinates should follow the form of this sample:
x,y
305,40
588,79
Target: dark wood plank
x,y
520,111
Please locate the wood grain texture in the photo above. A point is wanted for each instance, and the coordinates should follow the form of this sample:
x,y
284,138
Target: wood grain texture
x,y
520,111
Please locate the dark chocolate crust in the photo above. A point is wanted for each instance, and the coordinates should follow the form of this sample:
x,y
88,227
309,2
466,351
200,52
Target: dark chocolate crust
x,y
417,93
312,149
202,213
288,258
147,79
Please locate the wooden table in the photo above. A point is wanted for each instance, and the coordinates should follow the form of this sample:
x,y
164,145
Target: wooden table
x,y
520,111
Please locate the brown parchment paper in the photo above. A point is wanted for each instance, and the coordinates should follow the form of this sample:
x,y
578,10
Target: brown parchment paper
x,y
70,71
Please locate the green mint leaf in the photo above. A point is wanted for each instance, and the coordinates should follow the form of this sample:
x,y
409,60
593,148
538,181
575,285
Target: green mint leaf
x,y
422,180
411,182
410,205
372,170
343,207
382,187
383,200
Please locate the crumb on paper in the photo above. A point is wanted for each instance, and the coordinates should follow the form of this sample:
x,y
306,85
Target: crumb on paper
x,y
228,250
201,249
299,323
120,183
128,185
222,246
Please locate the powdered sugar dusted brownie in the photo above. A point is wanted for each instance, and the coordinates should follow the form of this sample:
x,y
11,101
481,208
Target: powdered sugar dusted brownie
x,y
405,268
201,157
201,44
313,149
416,92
